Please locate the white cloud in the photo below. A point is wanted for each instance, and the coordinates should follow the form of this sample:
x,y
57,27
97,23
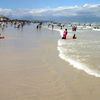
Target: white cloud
x,y
5,11
86,9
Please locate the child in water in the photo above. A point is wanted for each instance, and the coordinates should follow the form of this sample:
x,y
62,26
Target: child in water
x,y
64,34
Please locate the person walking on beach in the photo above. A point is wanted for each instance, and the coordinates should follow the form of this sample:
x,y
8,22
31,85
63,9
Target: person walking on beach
x,y
74,28
64,34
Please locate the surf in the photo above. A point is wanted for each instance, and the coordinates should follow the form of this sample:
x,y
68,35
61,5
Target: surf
x,y
75,63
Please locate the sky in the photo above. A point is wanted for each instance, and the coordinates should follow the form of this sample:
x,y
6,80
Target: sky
x,y
15,4
66,8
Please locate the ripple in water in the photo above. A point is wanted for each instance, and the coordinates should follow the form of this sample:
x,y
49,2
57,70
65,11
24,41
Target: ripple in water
x,y
82,53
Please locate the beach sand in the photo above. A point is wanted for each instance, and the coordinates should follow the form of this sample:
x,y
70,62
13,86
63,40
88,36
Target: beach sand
x,y
32,70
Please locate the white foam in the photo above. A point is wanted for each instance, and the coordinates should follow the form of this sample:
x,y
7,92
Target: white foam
x,y
61,42
70,32
96,29
76,64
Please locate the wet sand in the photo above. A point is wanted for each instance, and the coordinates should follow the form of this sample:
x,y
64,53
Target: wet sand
x,y
31,70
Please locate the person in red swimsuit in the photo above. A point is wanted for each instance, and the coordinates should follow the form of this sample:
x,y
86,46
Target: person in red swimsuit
x,y
64,34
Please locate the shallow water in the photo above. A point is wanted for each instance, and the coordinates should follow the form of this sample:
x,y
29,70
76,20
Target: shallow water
x,y
27,66
30,68
82,53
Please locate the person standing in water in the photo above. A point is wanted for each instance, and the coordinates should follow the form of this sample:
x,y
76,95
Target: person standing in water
x,y
52,26
64,34
74,28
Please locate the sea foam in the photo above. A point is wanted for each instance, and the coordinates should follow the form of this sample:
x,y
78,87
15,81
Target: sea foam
x,y
76,64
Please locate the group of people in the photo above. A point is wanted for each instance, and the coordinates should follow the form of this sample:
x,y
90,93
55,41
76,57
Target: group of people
x,y
74,28
18,24
21,24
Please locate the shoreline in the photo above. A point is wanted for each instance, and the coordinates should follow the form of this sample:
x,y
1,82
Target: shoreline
x,y
72,62
38,73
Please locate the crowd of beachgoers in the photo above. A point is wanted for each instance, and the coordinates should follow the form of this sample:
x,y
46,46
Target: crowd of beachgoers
x,y
19,24
16,23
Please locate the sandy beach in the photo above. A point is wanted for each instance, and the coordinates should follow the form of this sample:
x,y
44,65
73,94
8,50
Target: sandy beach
x,y
30,69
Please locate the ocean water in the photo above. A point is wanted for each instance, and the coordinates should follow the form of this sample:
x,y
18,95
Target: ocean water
x,y
82,53
29,38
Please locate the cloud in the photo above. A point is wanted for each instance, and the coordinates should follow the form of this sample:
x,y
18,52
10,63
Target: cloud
x,y
83,10
5,11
